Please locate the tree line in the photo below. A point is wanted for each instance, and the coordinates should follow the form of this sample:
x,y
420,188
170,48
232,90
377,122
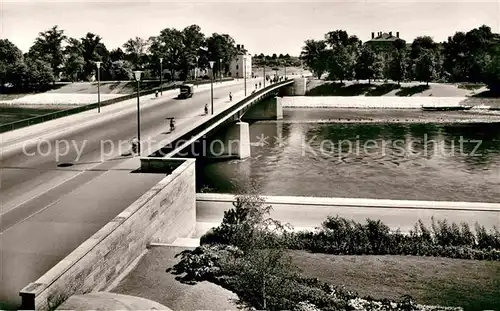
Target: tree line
x,y
472,56
57,57
275,60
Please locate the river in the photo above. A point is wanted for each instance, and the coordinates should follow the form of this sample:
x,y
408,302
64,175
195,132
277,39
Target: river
x,y
305,154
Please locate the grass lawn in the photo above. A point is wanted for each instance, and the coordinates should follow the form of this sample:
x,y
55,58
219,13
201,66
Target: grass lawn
x,y
11,96
8,114
473,285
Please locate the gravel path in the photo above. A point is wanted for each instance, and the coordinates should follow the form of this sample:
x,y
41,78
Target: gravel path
x,y
150,280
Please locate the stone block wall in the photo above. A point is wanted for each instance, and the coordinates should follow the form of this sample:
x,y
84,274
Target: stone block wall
x,y
384,102
165,212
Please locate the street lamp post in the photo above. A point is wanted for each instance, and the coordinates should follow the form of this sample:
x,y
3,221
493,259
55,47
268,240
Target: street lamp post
x,y
220,67
98,64
212,85
161,76
284,63
196,71
137,75
264,74
245,72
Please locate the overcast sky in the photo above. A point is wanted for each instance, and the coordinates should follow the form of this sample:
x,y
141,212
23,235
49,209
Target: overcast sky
x,y
263,27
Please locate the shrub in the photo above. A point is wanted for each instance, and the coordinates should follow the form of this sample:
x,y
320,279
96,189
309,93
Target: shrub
x,y
340,236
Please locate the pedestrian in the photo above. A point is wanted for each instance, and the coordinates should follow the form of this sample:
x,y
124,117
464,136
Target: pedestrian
x,y
135,145
259,84
255,85
230,97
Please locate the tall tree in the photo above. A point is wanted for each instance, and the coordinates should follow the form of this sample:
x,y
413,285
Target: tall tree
x,y
344,51
221,46
116,54
492,70
397,65
94,50
192,41
341,63
48,47
365,64
74,61
314,56
136,49
39,72
168,45
12,67
422,44
425,68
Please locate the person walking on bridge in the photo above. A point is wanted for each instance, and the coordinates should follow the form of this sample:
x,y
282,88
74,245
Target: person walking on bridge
x,y
230,97
135,145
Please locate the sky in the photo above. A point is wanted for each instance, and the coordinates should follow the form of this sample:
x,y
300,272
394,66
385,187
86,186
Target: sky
x,y
267,27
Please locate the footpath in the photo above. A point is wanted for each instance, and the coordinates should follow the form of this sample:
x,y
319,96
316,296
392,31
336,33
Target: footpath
x,y
27,136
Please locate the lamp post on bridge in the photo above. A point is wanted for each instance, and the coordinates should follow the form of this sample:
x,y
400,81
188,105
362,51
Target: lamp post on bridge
x,y
220,68
212,85
137,75
161,76
98,64
245,72
264,74
196,71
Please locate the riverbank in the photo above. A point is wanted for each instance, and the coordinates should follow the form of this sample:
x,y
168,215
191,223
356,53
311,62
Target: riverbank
x,y
370,115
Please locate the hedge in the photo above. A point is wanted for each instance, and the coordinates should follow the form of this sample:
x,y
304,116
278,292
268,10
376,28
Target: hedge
x,y
340,236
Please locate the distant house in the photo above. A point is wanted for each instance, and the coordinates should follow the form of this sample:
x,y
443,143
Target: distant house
x,y
383,41
241,64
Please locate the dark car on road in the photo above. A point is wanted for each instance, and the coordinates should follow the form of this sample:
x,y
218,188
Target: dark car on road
x,y
186,91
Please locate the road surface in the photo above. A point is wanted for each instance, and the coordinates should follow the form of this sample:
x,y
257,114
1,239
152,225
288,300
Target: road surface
x,y
47,211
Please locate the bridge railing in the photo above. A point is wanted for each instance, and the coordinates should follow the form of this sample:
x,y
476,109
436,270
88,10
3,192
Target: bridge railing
x,y
206,127
66,112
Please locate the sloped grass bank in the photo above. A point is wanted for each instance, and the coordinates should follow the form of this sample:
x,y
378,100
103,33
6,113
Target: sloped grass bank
x,y
13,114
473,285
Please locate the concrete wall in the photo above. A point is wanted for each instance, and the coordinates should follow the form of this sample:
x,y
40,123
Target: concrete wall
x,y
165,212
269,109
388,102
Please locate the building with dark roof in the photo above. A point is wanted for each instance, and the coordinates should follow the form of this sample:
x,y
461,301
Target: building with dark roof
x,y
384,41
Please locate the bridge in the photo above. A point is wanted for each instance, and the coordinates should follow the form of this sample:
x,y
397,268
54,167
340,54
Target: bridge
x,y
262,105
54,173
82,226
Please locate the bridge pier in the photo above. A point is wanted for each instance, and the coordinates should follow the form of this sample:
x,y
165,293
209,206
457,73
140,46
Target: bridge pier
x,y
270,109
298,88
235,143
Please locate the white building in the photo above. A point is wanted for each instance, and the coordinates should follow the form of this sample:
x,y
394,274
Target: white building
x,y
241,64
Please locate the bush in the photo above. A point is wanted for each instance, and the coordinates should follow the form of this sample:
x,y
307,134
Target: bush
x,y
246,255
340,236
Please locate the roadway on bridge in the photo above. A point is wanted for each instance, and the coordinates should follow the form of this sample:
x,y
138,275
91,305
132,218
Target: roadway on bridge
x,y
40,225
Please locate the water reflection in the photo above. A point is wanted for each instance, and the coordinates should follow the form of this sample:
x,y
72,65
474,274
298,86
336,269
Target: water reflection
x,y
392,161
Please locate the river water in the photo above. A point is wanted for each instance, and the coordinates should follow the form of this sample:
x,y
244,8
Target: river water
x,y
308,154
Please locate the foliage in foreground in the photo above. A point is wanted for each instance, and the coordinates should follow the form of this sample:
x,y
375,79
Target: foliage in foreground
x,y
246,255
345,237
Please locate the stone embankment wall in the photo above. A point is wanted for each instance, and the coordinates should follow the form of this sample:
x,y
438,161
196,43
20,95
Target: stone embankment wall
x,y
167,211
369,102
